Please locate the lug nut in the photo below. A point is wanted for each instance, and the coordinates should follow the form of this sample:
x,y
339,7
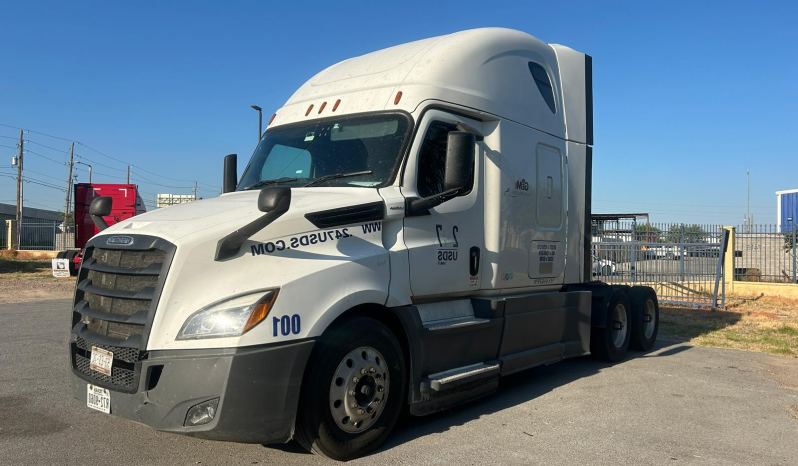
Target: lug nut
x,y
361,412
364,371
380,389
354,404
355,380
377,401
352,392
372,370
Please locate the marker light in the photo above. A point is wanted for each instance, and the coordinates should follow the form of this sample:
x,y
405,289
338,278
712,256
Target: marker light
x,y
309,109
323,104
271,119
398,98
337,102
229,318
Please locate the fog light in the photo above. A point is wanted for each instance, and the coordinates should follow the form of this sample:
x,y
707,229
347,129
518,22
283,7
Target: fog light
x,y
202,413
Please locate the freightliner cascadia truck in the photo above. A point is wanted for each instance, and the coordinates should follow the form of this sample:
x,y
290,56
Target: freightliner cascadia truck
x,y
413,225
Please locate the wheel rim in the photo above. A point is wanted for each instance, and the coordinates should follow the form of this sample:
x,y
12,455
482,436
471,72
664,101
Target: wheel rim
x,y
649,319
359,390
619,327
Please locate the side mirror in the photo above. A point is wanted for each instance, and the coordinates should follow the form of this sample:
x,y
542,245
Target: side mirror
x,y
458,173
230,177
460,155
100,207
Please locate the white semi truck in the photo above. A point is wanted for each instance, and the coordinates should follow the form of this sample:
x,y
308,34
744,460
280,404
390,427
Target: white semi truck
x,y
412,226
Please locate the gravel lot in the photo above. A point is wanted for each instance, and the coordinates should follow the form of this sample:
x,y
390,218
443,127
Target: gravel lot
x,y
678,404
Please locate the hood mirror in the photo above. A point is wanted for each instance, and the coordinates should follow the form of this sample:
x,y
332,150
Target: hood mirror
x,y
274,201
101,207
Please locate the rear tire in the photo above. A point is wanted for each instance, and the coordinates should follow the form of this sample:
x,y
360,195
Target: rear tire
x,y
333,418
645,317
609,343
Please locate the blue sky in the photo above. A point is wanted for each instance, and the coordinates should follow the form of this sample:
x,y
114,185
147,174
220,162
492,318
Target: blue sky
x,y
688,95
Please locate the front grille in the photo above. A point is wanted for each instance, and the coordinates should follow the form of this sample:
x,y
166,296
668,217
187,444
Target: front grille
x,y
128,355
115,300
120,377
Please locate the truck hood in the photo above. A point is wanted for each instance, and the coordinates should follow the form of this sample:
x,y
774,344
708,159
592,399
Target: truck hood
x,y
214,218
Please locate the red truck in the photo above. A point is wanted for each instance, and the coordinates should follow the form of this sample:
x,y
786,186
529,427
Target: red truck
x,y
127,203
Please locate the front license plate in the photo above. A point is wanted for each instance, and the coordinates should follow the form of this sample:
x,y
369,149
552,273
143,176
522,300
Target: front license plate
x,y
98,398
101,360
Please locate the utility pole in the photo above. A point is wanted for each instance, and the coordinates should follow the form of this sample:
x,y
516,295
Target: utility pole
x,y
128,174
19,190
195,190
69,184
748,184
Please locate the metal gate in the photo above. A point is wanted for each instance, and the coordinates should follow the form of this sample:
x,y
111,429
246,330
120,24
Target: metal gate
x,y
682,263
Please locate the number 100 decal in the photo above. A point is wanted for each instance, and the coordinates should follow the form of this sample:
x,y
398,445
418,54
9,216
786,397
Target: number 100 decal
x,y
287,325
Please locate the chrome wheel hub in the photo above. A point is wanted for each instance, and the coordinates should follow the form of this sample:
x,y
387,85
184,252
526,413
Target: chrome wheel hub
x,y
619,325
359,389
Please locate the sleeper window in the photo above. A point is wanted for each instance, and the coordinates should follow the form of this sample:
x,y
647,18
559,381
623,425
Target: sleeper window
x,y
544,84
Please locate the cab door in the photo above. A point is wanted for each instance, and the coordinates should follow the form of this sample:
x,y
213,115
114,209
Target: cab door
x,y
446,245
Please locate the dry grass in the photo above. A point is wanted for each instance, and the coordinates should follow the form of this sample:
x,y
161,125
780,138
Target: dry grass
x,y
751,323
24,264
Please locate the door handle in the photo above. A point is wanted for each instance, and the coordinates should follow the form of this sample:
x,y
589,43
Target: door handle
x,y
473,261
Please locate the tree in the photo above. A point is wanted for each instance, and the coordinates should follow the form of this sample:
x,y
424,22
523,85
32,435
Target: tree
x,y
70,217
692,234
647,234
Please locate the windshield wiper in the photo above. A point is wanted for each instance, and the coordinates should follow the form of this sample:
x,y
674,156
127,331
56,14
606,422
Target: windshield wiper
x,y
263,183
337,175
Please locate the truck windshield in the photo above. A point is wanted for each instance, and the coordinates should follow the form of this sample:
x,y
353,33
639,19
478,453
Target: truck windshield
x,y
359,151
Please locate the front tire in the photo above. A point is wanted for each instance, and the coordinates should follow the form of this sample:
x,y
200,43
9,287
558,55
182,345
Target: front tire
x,y
354,390
609,343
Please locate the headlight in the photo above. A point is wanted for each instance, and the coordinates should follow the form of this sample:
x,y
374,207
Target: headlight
x,y
229,318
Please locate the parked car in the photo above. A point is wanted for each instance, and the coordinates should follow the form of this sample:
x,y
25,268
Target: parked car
x,y
602,267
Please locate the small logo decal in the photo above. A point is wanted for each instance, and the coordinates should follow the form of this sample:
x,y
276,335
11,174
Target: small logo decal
x,y
522,185
121,240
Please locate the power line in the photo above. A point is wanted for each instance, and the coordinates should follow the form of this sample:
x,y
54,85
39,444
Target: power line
x,y
36,132
159,184
51,148
110,157
28,151
35,181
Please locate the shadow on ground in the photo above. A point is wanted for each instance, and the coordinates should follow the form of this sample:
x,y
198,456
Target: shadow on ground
x,y
682,324
513,390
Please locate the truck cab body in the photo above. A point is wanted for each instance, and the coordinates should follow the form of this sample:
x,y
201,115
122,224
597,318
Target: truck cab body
x,y
410,228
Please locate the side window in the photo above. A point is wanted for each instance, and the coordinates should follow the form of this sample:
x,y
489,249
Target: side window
x,y
286,161
544,84
432,159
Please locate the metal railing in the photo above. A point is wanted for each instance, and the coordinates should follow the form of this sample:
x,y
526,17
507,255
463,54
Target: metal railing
x,y
765,253
683,262
46,236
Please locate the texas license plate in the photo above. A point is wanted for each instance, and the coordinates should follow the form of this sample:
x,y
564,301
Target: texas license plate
x,y
98,398
101,360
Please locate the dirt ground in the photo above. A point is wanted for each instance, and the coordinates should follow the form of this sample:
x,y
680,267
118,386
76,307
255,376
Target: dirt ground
x,y
29,278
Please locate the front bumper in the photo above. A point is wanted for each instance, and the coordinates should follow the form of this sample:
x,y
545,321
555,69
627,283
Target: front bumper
x,y
258,388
